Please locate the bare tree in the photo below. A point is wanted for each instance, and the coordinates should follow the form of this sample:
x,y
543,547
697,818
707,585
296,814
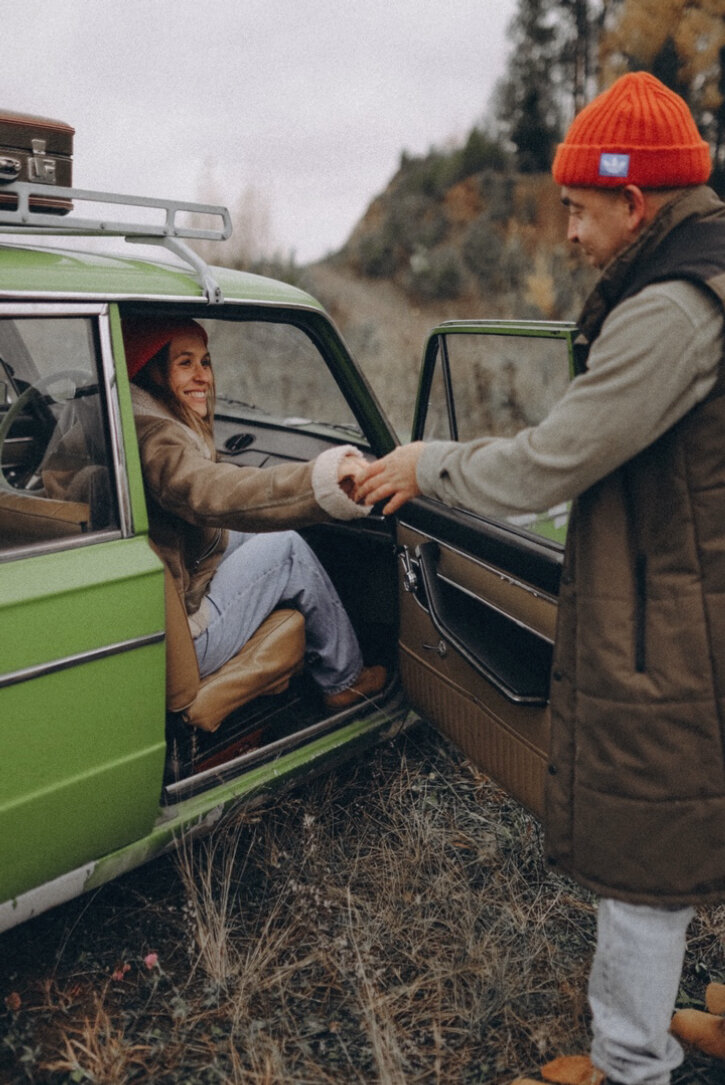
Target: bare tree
x,y
252,238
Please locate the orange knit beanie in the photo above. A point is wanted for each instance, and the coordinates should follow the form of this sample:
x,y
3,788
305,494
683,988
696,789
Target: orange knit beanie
x,y
636,133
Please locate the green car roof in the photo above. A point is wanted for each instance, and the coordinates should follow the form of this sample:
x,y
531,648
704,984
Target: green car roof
x,y
39,271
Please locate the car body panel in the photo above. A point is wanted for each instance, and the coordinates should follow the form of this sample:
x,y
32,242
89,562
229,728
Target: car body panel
x,y
201,814
506,739
68,273
89,766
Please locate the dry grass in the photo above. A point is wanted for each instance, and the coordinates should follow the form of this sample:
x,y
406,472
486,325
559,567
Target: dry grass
x,y
93,1048
392,923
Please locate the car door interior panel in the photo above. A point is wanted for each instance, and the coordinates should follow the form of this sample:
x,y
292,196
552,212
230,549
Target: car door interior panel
x,y
536,561
516,660
475,652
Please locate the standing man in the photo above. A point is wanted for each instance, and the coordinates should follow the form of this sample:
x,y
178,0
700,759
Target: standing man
x,y
636,785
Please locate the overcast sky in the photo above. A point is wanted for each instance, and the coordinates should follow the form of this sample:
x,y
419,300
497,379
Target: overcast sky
x,y
307,102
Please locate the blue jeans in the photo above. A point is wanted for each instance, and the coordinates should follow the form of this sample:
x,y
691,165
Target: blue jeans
x,y
633,988
261,572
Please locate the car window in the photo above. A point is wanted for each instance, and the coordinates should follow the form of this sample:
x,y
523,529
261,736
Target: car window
x,y
56,476
275,370
496,385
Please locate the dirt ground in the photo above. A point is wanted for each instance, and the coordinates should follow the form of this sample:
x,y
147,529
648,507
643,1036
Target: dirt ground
x,y
390,923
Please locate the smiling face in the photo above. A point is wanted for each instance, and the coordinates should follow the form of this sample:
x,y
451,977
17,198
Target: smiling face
x,y
189,373
601,221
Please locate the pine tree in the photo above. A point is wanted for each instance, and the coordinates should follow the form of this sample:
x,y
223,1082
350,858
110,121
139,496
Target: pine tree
x,y
527,104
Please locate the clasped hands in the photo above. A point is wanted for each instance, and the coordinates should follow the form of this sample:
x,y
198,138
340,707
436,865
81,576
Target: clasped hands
x,y
392,479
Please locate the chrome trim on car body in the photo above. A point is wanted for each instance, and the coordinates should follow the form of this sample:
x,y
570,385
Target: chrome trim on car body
x,y
93,654
53,546
498,609
500,574
118,450
40,307
40,297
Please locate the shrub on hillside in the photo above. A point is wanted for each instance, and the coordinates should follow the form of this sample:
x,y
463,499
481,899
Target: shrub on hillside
x,y
514,264
481,152
481,248
375,254
433,174
414,220
429,176
497,263
435,275
497,190
573,279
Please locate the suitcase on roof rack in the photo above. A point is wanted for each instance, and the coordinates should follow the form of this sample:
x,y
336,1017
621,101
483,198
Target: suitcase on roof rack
x,y
39,150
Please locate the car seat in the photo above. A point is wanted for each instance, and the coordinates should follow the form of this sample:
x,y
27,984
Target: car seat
x,y
263,666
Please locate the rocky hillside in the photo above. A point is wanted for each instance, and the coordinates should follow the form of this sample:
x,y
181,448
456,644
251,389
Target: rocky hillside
x,y
491,244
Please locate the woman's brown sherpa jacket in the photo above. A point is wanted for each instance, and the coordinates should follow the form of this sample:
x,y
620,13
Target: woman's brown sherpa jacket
x,y
192,499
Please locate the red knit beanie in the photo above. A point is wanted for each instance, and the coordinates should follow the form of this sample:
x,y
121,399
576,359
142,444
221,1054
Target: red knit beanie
x,y
144,336
636,133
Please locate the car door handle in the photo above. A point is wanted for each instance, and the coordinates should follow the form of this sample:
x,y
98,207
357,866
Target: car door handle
x,y
441,648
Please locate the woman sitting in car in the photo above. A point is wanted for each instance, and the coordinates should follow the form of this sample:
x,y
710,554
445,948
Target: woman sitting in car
x,y
206,516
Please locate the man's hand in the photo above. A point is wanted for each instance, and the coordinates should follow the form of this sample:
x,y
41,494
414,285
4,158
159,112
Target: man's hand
x,y
393,477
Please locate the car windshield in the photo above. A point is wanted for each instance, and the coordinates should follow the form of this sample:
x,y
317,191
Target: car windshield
x,y
275,369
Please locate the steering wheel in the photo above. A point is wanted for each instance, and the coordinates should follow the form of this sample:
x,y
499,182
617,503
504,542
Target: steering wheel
x,y
35,392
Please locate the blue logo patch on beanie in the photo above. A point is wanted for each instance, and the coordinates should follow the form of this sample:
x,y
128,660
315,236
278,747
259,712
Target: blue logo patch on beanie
x,y
613,165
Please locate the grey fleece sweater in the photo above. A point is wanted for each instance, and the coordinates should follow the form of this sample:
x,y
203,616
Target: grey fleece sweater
x,y
655,358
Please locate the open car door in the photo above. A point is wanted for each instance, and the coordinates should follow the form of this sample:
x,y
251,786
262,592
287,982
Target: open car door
x,y
478,596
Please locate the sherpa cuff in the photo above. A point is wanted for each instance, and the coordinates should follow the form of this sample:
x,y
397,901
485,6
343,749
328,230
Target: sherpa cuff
x,y
326,488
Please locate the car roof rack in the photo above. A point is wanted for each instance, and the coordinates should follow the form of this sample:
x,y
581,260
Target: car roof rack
x,y
168,233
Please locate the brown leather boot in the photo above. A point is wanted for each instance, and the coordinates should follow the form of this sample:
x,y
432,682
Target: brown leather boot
x,y
715,998
369,682
568,1070
705,1031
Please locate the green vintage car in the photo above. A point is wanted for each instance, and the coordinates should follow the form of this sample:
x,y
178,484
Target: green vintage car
x,y
111,747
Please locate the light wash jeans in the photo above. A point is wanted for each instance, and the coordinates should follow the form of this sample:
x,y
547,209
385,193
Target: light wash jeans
x,y
257,574
632,991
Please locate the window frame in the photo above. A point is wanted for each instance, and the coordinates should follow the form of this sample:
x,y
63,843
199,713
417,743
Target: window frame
x,y
436,350
436,343
98,315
